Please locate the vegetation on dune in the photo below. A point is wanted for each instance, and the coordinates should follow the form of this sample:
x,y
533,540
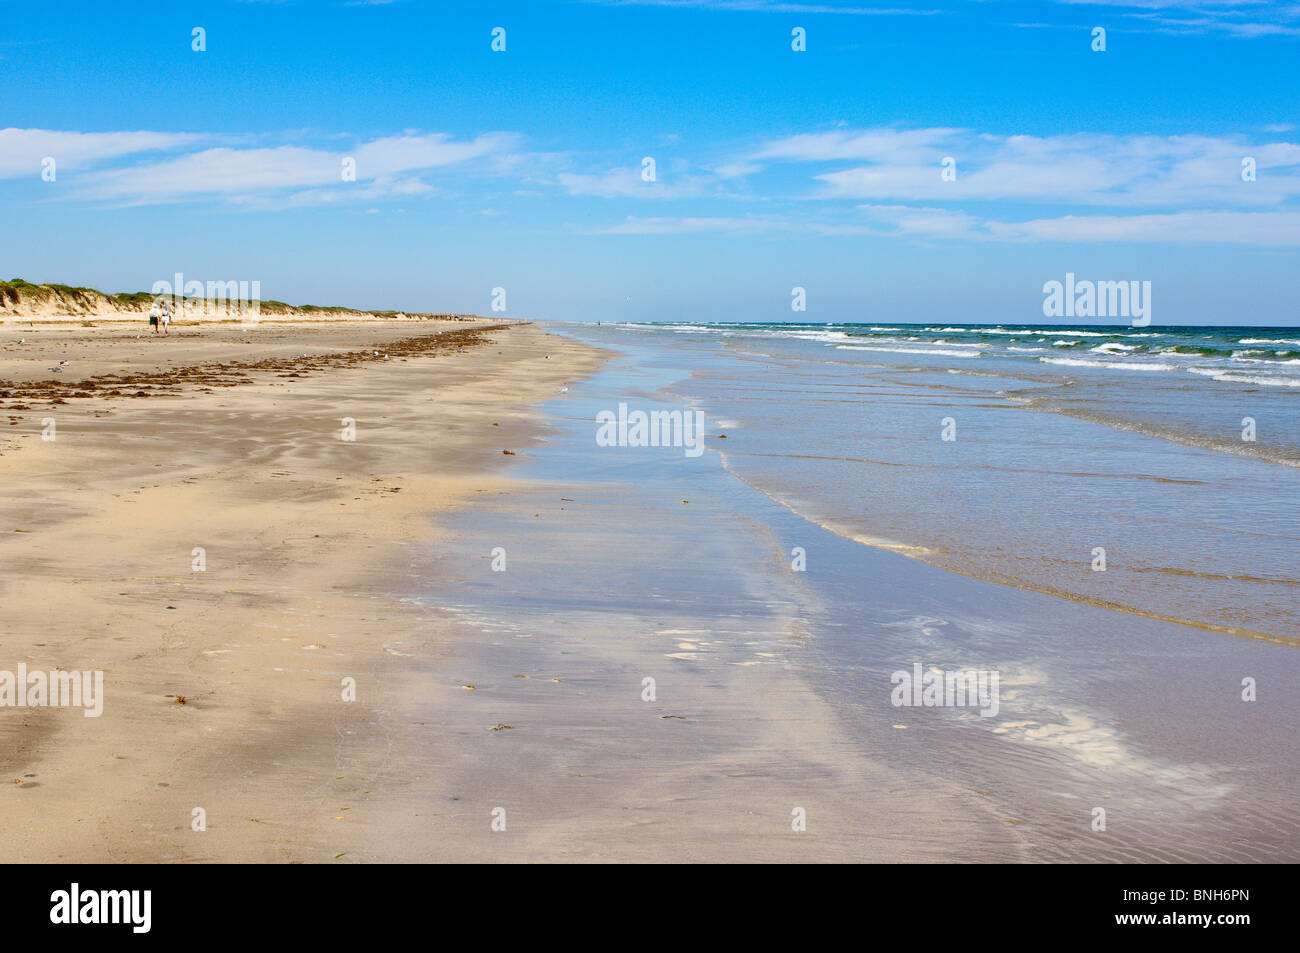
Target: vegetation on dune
x,y
14,291
69,290
17,289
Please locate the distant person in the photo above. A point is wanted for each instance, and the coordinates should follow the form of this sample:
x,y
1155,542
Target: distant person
x,y
154,313
165,319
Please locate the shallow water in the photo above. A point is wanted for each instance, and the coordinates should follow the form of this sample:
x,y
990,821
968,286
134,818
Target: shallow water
x,y
1047,464
1097,709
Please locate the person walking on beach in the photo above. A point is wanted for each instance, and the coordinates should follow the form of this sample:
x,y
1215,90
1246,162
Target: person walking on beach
x,y
165,319
154,313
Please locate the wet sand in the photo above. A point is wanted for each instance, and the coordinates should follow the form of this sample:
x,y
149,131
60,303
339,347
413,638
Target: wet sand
x,y
1100,710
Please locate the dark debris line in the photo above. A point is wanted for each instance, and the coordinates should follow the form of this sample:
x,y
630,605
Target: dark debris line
x,y
232,373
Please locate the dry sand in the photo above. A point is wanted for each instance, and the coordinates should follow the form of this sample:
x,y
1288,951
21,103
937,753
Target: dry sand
x,y
303,534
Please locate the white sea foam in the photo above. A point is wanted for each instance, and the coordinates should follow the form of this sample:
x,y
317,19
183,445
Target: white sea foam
x,y
1111,347
804,335
679,328
1021,332
910,350
1110,365
1229,377
975,331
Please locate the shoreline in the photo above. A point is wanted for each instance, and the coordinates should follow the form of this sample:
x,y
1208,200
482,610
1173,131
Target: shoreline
x,y
1087,717
1035,494
372,560
328,560
910,552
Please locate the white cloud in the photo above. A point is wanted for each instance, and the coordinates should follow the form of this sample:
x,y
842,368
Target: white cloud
x,y
774,6
1268,229
627,183
680,226
379,189
405,153
255,177
1239,228
736,170
21,150
1081,169
1239,18
923,222
881,144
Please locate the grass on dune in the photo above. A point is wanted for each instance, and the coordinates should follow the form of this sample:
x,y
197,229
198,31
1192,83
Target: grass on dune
x,y
16,290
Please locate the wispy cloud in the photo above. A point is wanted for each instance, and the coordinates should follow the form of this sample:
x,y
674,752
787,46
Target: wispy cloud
x,y
775,6
1225,227
667,225
294,175
924,224
1082,169
22,150
1240,18
627,183
889,182
1274,228
885,181
880,145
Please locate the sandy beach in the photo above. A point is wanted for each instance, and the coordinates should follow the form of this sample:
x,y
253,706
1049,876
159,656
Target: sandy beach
x,y
199,530
315,553
370,592
237,451
648,432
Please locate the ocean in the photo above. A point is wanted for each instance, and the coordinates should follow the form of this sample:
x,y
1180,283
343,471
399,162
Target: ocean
x,y
1174,450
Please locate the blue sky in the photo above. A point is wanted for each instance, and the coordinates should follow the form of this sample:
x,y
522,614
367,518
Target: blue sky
x,y
774,168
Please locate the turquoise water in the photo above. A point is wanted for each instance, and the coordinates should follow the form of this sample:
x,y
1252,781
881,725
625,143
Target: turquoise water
x,y
1065,442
